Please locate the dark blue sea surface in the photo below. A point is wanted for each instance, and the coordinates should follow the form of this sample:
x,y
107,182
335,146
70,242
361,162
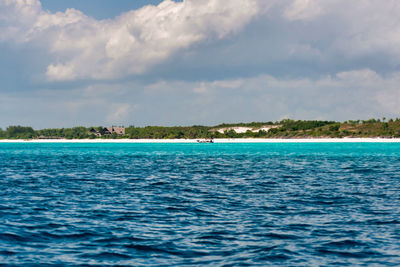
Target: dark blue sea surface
x,y
200,204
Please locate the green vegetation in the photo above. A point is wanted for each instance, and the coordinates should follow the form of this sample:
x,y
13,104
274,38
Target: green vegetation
x,y
18,132
159,132
69,133
280,129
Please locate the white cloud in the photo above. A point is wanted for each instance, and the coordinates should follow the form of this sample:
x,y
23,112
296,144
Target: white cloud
x,y
350,29
326,59
83,47
303,10
354,94
298,33
61,72
118,113
346,95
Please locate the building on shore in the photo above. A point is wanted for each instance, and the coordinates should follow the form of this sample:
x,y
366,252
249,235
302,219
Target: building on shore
x,y
95,132
118,130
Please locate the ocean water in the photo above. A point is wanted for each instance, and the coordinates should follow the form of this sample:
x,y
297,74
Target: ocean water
x,y
200,204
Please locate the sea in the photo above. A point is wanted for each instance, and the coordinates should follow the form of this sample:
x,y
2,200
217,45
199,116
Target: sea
x,y
126,204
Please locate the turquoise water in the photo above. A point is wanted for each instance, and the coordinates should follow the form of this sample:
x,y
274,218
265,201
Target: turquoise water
x,y
200,204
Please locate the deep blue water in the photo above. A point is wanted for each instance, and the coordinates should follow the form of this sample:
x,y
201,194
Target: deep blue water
x,y
200,204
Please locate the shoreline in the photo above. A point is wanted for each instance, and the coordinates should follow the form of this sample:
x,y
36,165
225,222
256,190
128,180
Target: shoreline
x,y
222,140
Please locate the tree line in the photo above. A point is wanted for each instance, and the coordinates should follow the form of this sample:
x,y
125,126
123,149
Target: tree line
x,y
281,129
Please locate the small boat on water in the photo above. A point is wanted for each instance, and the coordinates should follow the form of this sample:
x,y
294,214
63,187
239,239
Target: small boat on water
x,y
205,141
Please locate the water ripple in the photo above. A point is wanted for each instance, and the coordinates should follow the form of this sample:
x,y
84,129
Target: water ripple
x,y
200,204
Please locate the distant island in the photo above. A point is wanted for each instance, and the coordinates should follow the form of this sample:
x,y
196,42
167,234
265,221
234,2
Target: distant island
x,y
286,128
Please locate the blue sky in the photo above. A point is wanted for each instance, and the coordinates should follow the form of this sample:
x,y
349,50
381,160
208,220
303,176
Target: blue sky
x,y
99,9
100,62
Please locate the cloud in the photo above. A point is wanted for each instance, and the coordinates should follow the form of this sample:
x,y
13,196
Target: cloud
x,y
83,47
295,36
353,94
342,35
357,28
61,72
303,10
118,113
200,62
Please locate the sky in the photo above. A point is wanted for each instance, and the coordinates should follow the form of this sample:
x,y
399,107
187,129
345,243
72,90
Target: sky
x,y
72,63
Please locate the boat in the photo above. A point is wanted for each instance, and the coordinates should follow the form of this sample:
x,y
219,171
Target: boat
x,y
205,141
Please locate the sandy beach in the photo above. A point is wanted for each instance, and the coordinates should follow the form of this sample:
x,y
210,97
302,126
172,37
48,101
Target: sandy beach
x,y
222,140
